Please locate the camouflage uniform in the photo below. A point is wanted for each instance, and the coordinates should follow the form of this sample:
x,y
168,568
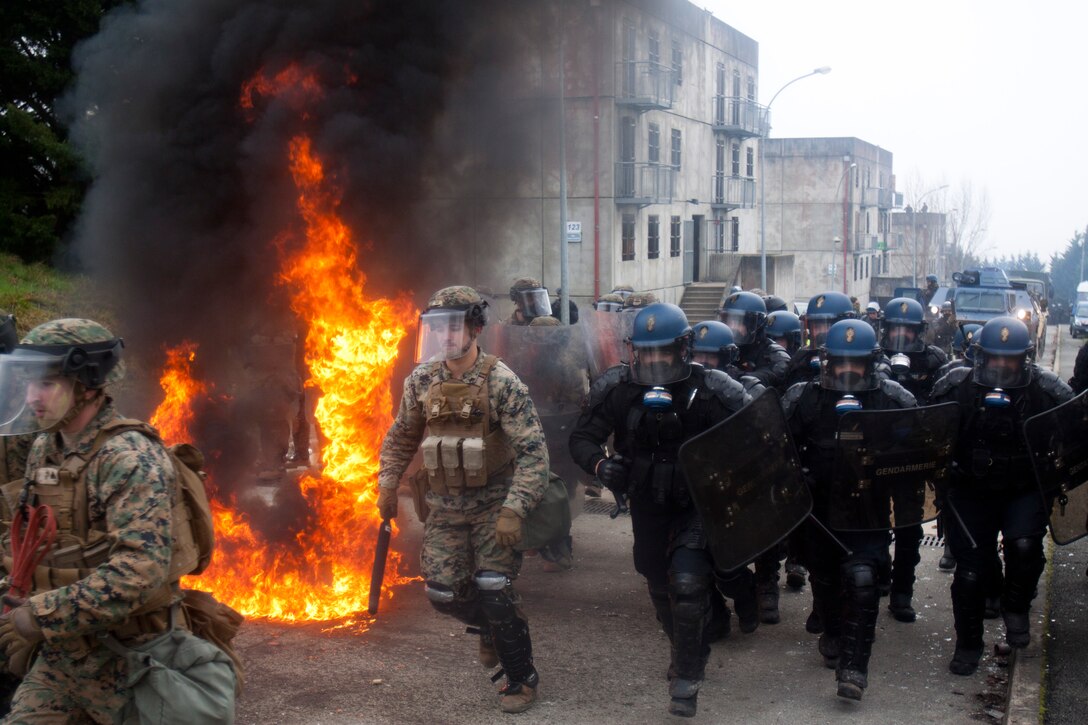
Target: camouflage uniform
x,y
129,484
639,299
468,574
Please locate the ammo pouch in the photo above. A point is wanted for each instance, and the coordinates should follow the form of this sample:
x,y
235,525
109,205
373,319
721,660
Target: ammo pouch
x,y
549,519
176,678
419,484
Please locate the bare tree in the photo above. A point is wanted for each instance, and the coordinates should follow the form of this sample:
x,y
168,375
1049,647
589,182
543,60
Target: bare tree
x,y
968,220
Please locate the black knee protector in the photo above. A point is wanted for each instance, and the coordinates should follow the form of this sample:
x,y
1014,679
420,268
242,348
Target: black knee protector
x,y
495,602
859,581
446,601
1024,564
662,608
689,594
509,630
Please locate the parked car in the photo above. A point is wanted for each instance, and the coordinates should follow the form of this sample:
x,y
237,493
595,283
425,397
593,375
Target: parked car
x,y
1078,321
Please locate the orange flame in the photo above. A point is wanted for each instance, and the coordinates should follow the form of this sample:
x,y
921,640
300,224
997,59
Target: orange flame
x,y
351,347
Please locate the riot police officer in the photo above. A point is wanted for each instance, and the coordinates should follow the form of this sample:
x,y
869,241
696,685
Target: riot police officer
x,y
784,329
914,365
993,486
714,348
530,300
745,313
843,586
823,311
962,354
651,406
943,330
774,303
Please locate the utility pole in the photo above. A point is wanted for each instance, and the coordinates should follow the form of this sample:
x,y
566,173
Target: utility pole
x,y
564,263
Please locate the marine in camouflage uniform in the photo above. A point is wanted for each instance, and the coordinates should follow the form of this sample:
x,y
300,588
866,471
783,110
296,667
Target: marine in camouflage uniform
x,y
468,559
129,483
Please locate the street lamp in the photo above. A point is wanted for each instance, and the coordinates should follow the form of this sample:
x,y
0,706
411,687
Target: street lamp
x,y
914,232
822,70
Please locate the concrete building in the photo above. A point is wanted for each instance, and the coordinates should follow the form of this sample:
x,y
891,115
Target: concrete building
x,y
820,192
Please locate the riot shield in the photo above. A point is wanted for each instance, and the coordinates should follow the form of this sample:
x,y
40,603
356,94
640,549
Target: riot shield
x,y
746,483
888,464
1058,445
551,361
606,336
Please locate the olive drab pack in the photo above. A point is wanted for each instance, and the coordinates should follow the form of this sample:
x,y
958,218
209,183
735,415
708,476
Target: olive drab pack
x,y
80,548
461,449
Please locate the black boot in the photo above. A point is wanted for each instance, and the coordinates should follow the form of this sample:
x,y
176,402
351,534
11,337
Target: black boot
x,y
1024,563
1017,629
858,628
689,595
967,606
741,588
795,575
767,595
900,606
718,628
908,541
947,562
683,697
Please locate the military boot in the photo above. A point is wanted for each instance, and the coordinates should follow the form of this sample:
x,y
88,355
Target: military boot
x,y
488,656
947,562
899,604
851,683
795,575
1017,629
767,595
519,696
683,697
858,629
830,648
967,607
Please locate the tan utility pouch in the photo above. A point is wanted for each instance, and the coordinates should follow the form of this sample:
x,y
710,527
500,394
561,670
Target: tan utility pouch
x,y
451,462
474,460
432,463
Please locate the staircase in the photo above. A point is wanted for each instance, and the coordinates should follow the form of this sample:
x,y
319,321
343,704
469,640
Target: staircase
x,y
701,301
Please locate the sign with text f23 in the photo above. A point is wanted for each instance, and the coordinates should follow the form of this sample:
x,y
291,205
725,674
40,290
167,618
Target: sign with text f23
x,y
574,232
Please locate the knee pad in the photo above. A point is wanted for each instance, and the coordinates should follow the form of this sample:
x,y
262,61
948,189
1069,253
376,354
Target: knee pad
x,y
496,604
859,578
966,583
487,580
689,594
1025,552
445,601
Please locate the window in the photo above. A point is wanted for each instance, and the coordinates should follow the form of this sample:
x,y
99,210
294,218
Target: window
x,y
855,269
653,237
654,153
674,236
719,156
719,235
751,88
736,159
735,240
628,234
750,161
676,148
655,48
677,62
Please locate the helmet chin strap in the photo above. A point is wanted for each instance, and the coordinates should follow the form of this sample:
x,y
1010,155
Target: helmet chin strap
x,y
80,404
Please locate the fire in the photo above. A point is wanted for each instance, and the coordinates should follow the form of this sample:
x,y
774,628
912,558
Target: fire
x,y
351,347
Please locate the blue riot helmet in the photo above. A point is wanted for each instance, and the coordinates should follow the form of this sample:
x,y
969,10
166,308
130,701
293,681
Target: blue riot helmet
x,y
904,325
848,357
712,345
965,336
824,310
784,328
931,280
660,345
1002,348
775,303
745,314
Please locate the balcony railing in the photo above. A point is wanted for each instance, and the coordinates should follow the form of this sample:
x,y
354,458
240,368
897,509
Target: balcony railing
x,y
732,192
880,198
738,116
644,183
644,84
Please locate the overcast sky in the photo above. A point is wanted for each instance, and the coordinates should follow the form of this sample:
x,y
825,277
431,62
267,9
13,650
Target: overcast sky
x,y
989,91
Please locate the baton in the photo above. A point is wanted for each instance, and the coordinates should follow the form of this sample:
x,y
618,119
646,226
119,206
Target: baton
x,y
963,526
377,574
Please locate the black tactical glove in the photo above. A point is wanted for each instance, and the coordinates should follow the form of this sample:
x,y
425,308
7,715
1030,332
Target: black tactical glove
x,y
612,473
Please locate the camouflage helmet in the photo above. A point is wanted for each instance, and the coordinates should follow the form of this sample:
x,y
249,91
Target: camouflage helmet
x,y
91,353
523,283
460,297
544,321
640,299
611,297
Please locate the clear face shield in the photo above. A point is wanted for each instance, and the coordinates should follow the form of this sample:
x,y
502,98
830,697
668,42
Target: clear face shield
x,y
533,302
444,334
33,395
900,337
1002,371
608,306
716,359
660,364
846,374
817,331
743,325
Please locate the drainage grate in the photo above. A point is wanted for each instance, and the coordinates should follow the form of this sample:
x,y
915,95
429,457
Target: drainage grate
x,y
599,506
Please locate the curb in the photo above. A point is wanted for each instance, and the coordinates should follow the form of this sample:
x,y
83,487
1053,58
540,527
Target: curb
x,y
1027,667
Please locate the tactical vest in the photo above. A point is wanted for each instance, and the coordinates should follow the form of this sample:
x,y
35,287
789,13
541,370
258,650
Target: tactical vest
x,y
81,547
992,451
461,449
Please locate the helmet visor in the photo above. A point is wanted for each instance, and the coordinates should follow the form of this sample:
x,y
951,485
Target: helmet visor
x,y
847,374
443,334
34,395
533,302
608,306
817,330
1002,371
660,364
899,337
743,325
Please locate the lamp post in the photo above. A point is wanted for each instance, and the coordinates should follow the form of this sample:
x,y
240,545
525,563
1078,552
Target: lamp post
x,y
914,233
822,70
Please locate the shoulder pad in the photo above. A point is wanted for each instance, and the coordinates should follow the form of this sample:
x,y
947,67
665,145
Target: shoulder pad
x,y
793,396
726,389
609,379
1052,385
900,395
752,386
935,357
954,377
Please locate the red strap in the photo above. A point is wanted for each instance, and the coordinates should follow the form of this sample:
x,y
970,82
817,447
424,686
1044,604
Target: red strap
x,y
29,547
